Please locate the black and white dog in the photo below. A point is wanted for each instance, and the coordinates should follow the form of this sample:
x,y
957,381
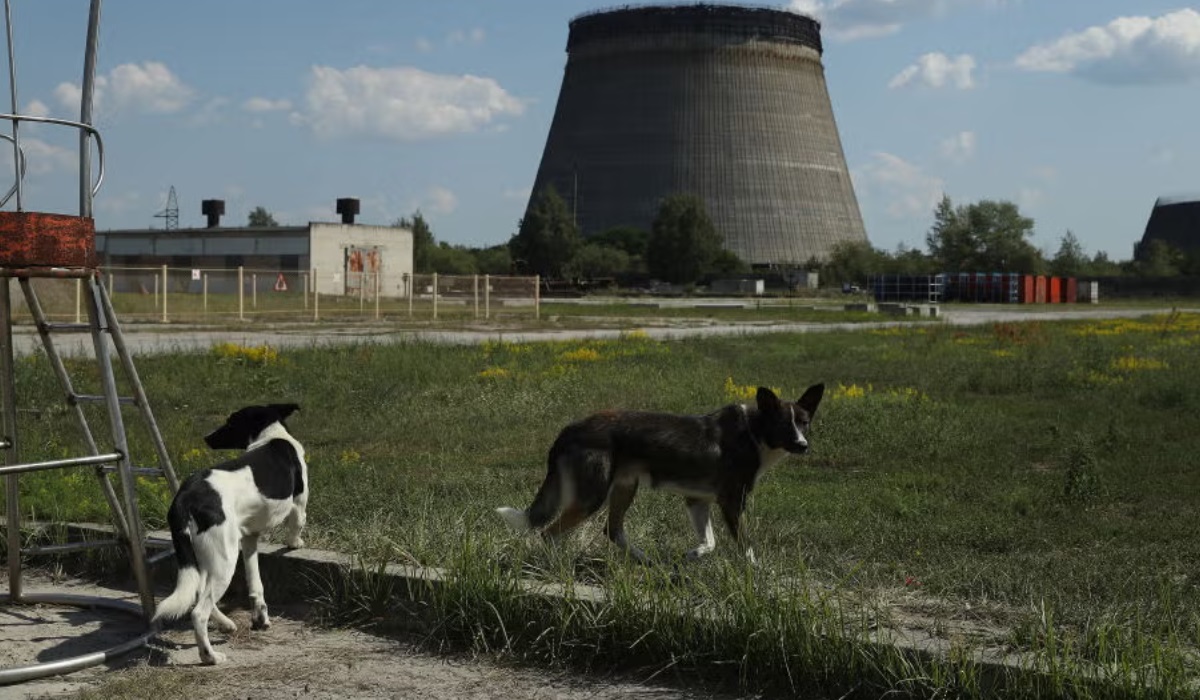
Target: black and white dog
x,y
220,510
717,457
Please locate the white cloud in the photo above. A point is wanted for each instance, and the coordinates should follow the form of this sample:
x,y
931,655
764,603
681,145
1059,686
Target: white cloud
x,y
127,202
903,189
959,148
146,87
40,158
937,70
437,200
404,103
423,45
265,104
1030,197
861,19
37,108
465,36
211,112
1163,49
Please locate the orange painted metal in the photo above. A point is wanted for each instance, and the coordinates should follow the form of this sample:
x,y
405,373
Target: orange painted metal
x,y
1055,295
33,239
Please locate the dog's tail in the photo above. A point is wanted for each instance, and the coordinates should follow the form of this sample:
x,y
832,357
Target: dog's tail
x,y
188,584
545,506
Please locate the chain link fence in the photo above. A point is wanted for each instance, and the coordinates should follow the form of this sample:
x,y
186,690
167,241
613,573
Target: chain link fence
x,y
167,294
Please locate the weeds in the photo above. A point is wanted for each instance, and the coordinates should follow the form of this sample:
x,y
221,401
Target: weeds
x,y
1058,474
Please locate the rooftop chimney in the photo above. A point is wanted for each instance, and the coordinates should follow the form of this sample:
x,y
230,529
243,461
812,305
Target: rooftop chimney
x,y
214,209
348,208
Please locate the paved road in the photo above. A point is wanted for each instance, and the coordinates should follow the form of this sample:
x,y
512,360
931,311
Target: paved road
x,y
149,339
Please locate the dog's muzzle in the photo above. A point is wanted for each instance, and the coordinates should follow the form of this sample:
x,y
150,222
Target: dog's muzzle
x,y
796,448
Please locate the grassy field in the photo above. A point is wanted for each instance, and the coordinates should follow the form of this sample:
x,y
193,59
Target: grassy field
x,y
1037,478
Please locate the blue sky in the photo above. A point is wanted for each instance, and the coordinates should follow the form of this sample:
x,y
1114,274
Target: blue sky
x,y
1081,111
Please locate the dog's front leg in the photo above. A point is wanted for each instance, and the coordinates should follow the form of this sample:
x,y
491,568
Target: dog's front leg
x,y
732,507
698,511
293,525
259,619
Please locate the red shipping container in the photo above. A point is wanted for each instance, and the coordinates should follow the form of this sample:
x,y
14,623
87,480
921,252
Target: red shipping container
x,y
1055,295
1072,291
1039,289
1026,289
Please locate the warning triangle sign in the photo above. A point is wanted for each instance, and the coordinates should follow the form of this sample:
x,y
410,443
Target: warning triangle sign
x,y
280,283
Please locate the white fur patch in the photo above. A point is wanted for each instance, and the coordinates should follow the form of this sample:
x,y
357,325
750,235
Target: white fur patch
x,y
518,520
799,435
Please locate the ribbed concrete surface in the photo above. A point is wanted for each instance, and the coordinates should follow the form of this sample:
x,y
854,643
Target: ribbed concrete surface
x,y
728,103
1175,221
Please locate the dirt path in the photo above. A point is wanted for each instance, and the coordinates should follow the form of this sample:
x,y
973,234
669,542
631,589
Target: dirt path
x,y
291,660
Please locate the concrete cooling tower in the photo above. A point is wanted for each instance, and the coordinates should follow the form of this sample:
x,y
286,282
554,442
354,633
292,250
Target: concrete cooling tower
x,y
725,102
1175,221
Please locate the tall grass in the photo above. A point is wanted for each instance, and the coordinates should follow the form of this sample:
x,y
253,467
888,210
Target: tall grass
x,y
1034,479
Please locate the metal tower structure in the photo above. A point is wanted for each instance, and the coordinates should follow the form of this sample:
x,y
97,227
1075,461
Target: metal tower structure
x,y
171,212
38,246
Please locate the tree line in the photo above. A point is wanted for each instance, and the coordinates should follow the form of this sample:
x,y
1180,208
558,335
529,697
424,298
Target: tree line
x,y
683,247
993,236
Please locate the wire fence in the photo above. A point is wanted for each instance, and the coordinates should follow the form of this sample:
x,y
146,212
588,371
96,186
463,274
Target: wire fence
x,y
167,294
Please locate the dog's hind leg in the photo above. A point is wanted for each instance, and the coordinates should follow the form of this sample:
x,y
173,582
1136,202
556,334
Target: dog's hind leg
x,y
619,500
218,560
222,621
699,512
259,620
571,517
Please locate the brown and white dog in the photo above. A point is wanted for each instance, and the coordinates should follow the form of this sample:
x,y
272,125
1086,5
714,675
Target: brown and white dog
x,y
717,457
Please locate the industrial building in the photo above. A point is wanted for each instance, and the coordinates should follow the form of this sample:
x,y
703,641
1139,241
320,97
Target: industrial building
x,y
344,255
1175,221
728,103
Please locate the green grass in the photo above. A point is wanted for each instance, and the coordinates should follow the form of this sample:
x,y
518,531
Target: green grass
x,y
1042,474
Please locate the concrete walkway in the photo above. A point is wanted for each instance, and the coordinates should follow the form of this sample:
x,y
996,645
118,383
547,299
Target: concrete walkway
x,y
151,339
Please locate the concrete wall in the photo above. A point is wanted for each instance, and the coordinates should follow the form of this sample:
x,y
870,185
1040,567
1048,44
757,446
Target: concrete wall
x,y
729,104
332,245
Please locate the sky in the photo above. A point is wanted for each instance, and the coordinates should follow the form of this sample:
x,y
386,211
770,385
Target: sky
x,y
1081,111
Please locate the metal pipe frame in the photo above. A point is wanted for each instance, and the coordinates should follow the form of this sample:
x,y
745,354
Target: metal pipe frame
x,y
133,518
139,391
134,535
60,463
18,153
20,674
87,131
8,422
64,380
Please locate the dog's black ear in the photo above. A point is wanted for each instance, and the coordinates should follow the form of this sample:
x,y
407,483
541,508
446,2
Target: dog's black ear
x,y
767,400
283,410
811,399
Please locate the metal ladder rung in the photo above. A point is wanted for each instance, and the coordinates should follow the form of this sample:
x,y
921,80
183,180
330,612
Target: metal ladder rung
x,y
69,547
155,558
66,327
136,471
100,398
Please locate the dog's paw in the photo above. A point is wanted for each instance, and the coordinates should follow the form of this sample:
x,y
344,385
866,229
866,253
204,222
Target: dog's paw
x,y
226,625
295,543
213,659
260,620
